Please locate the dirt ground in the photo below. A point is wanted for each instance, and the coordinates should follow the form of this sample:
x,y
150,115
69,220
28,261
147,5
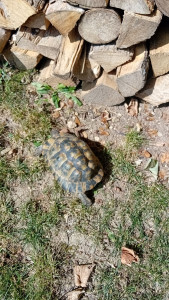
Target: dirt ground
x,y
100,127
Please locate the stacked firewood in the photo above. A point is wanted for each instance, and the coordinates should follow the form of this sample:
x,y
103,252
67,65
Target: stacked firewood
x,y
117,49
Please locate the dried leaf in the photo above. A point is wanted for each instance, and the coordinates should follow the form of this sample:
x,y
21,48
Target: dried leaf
x,y
128,256
152,132
164,157
56,114
162,174
132,108
102,131
146,154
82,274
75,294
70,103
105,116
77,121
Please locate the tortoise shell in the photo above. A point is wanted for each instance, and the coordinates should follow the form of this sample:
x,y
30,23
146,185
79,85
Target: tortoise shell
x,y
73,163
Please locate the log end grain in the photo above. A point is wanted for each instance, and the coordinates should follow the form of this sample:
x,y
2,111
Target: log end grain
x,y
99,26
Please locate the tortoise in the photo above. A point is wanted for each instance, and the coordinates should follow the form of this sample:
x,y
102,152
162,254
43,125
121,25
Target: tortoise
x,y
73,164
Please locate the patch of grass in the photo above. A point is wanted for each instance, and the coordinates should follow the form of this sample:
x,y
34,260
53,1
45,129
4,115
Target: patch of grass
x,y
14,271
134,140
47,273
38,223
11,170
138,220
34,122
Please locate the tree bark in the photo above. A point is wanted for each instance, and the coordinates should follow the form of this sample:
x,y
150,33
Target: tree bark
x,y
139,6
89,3
163,6
4,37
37,4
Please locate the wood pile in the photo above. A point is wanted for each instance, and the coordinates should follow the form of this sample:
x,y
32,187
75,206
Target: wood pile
x,y
116,49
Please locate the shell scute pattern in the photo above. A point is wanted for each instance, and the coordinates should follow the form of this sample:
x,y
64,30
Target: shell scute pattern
x,y
73,163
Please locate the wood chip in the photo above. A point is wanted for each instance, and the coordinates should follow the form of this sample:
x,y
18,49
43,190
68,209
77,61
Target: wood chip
x,y
128,256
82,274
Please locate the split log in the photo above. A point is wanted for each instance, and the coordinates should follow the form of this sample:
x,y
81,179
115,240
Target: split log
x,y
156,90
63,16
137,28
13,15
86,68
27,38
46,42
100,26
4,37
131,77
89,3
37,4
50,43
159,50
70,51
37,21
102,92
46,76
139,6
22,59
163,6
109,56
